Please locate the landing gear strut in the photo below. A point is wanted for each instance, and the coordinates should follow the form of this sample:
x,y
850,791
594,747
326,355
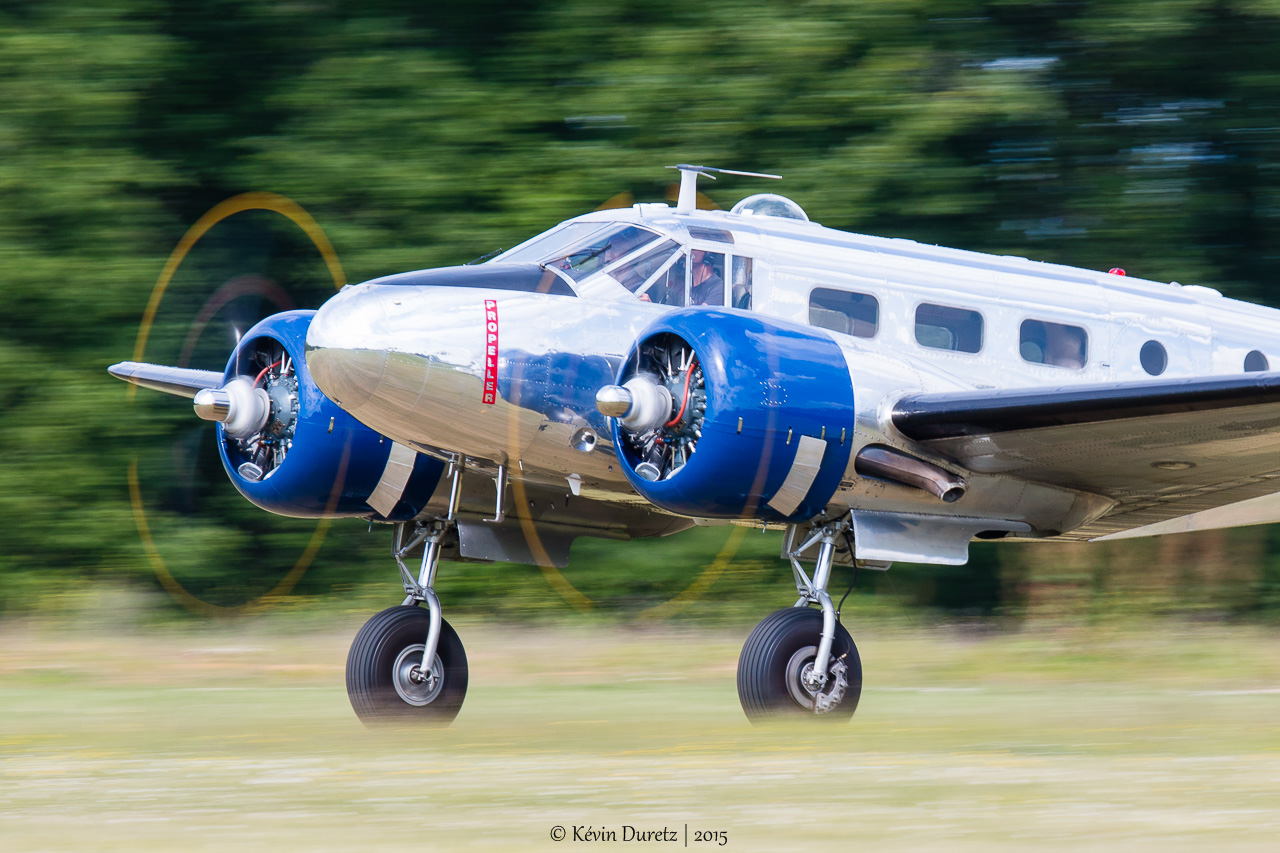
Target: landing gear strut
x,y
800,660
406,661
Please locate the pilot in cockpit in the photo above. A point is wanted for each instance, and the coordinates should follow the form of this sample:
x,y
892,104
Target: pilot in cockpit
x,y
708,278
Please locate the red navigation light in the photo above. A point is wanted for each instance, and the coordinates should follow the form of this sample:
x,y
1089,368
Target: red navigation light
x,y
1116,271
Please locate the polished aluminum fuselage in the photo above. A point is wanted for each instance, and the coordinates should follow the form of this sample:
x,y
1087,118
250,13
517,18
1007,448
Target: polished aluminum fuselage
x,y
412,361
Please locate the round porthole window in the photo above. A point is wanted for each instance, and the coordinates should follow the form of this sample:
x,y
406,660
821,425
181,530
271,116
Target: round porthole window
x,y
1255,362
1154,358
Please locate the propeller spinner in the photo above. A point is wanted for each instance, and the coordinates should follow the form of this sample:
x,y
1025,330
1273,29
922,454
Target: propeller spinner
x,y
661,408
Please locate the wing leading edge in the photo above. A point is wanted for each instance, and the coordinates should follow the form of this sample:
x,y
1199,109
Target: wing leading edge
x,y
1165,451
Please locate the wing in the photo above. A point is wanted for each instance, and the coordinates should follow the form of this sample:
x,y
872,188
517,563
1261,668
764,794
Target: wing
x,y
1174,455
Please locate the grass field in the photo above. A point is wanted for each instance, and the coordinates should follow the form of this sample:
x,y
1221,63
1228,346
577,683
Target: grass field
x,y
238,735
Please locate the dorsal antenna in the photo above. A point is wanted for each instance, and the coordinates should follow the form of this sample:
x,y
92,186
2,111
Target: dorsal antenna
x,y
688,201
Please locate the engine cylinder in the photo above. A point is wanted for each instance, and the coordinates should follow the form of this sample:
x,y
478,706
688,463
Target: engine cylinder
x,y
310,459
761,420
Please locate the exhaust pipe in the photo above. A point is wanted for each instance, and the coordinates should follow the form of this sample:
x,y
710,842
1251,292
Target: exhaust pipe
x,y
886,463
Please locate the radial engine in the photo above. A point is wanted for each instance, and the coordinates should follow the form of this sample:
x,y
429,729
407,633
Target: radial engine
x,y
287,447
729,415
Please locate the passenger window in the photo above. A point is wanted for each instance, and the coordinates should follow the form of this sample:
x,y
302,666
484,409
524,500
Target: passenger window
x,y
637,271
856,314
706,285
741,292
1053,343
1154,358
956,329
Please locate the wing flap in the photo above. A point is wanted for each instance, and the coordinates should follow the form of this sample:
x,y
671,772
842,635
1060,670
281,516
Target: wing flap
x,y
1260,510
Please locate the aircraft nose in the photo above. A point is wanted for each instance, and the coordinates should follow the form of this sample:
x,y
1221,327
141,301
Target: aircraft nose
x,y
346,370
346,319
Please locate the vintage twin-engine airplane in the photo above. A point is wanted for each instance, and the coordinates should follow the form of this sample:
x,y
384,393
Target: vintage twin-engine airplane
x,y
636,372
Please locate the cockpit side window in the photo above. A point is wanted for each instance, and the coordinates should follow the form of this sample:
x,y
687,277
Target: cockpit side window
x,y
740,293
634,273
706,285
668,287
601,249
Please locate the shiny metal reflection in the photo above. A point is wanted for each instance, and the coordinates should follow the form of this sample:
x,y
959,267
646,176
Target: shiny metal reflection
x,y
212,404
613,401
889,464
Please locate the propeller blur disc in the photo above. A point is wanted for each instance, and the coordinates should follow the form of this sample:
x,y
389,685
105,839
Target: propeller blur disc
x,y
187,325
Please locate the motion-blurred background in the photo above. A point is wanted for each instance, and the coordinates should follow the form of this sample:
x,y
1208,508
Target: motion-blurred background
x,y
1143,135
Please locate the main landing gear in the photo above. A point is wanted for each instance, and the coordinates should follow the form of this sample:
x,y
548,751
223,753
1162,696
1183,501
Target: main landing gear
x,y
801,661
407,663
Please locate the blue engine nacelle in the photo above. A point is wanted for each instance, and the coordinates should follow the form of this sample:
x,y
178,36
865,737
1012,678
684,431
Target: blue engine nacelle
x,y
761,416
310,459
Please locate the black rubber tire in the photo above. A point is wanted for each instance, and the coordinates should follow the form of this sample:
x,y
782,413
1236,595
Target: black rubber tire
x,y
371,661
762,666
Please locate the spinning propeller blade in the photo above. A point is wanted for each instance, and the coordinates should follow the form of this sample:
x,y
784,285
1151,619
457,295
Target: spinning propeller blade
x,y
223,277
178,381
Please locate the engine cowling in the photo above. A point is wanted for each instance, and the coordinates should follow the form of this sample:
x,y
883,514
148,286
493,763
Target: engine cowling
x,y
759,422
293,451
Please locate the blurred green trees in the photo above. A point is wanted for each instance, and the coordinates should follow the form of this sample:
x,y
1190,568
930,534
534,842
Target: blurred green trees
x,y
1095,134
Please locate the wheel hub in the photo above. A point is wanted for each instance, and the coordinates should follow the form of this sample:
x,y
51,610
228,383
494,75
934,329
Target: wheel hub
x,y
411,684
800,675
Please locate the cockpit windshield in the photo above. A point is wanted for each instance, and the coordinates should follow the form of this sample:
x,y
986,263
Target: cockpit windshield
x,y
551,244
581,248
607,259
600,249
